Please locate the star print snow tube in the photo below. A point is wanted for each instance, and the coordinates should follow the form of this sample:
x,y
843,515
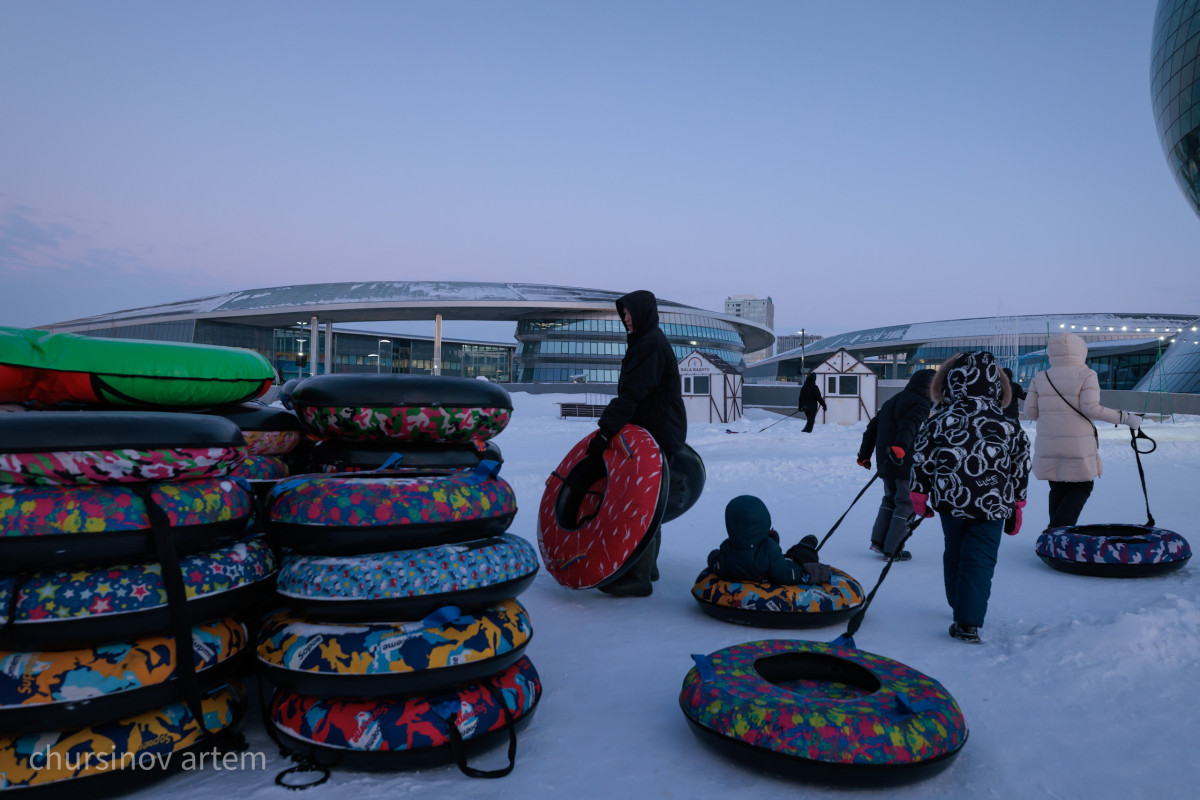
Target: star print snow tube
x,y
268,431
331,659
117,755
769,605
401,408
341,457
56,610
50,526
413,731
73,688
56,368
1113,551
822,711
407,584
351,514
74,448
595,519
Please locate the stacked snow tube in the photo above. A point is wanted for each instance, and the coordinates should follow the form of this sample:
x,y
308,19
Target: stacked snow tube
x,y
822,712
1113,550
271,435
770,605
400,641
123,535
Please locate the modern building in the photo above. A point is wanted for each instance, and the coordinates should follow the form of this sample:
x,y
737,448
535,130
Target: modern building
x,y
562,333
793,341
1175,91
1122,348
757,309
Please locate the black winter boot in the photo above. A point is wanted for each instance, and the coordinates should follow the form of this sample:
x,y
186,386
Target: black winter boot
x,y
965,633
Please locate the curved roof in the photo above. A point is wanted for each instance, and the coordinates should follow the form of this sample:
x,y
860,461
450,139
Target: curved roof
x,y
379,301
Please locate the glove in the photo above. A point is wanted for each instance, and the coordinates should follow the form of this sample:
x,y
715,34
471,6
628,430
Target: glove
x,y
1134,421
918,503
896,454
816,572
865,463
804,551
597,445
1012,525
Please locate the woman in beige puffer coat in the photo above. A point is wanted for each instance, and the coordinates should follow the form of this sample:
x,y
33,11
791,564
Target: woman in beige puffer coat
x,y
1066,450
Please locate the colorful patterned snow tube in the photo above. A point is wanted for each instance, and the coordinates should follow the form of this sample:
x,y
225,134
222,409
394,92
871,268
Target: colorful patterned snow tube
x,y
261,468
75,448
57,610
68,368
401,408
594,520
407,584
115,754
269,431
42,691
349,515
341,457
1113,551
339,659
50,526
413,731
822,711
768,605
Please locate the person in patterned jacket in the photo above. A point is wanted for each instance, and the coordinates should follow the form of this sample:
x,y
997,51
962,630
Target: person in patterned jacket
x,y
971,466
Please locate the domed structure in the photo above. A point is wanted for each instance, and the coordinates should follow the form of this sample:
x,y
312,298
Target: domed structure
x,y
1175,90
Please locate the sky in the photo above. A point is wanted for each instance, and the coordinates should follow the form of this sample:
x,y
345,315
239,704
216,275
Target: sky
x,y
862,164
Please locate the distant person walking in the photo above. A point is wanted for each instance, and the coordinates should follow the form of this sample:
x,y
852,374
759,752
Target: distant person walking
x,y
1064,400
810,399
890,434
1013,409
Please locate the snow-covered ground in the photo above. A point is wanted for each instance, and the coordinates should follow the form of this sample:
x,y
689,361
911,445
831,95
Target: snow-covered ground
x,y
1085,687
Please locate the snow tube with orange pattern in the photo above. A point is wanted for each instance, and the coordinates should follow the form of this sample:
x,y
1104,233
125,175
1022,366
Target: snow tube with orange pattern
x,y
596,517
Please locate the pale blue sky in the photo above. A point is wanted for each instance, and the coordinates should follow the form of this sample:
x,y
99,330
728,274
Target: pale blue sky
x,y
863,163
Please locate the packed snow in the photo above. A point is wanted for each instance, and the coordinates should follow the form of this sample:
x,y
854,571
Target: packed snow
x,y
1084,687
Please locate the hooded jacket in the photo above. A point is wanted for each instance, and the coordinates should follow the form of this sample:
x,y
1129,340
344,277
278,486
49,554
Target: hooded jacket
x,y
897,423
810,395
649,392
970,459
1066,447
750,553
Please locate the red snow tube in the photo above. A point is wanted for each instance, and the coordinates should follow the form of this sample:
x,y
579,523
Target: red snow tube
x,y
594,517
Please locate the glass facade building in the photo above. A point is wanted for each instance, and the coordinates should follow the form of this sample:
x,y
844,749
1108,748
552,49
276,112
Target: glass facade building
x,y
588,347
1175,91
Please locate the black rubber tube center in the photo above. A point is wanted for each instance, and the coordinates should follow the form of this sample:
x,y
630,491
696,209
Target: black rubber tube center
x,y
786,669
582,492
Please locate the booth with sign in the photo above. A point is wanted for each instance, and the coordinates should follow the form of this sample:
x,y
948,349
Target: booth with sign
x,y
850,389
712,388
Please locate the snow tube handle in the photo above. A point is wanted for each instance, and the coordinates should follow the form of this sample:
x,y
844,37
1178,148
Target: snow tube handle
x,y
902,707
391,461
459,751
704,666
484,470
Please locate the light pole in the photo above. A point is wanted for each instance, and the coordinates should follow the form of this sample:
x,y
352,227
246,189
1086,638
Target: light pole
x,y
379,358
376,357
802,355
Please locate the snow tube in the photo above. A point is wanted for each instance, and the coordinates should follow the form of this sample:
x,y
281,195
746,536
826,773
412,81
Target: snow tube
x,y
70,448
342,659
768,605
117,755
1114,550
50,526
822,711
408,732
261,468
350,515
686,484
73,688
340,457
268,431
407,584
401,408
57,368
595,518
57,610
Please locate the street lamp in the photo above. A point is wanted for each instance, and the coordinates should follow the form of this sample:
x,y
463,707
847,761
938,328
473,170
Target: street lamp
x,y
376,357
802,355
388,342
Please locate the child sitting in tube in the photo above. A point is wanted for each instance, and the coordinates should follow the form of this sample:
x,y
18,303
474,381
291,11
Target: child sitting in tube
x,y
752,551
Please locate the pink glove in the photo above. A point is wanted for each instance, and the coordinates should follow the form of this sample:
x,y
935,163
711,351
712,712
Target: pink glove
x,y
1015,520
918,503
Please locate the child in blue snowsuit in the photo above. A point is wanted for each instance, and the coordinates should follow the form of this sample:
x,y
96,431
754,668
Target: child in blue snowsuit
x,y
752,551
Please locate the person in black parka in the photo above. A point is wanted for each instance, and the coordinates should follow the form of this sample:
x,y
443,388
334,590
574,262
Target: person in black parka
x,y
1013,409
649,394
890,434
810,399
752,552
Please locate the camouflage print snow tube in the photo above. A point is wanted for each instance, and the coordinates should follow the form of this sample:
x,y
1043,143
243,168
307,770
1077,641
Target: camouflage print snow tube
x,y
823,711
1113,551
330,659
769,605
